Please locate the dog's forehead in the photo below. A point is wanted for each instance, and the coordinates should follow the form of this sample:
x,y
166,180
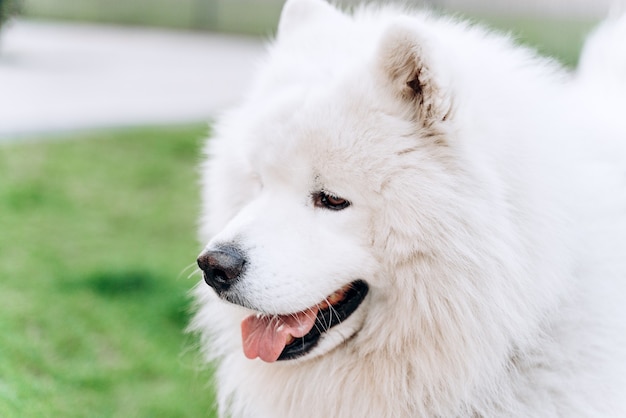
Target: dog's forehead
x,y
327,144
309,133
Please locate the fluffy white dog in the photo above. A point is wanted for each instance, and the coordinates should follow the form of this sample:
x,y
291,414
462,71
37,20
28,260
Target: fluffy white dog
x,y
409,216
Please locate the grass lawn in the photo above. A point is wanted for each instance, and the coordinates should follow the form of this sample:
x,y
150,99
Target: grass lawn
x,y
96,233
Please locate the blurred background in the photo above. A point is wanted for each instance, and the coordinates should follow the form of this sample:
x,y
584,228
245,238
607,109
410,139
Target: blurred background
x,y
260,16
104,105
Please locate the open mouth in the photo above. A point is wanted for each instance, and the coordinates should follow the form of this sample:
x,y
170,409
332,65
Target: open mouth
x,y
286,337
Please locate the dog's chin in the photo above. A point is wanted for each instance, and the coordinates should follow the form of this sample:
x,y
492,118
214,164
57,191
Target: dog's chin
x,y
306,334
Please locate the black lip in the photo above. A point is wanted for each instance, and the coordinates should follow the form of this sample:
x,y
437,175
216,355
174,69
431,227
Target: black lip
x,y
326,319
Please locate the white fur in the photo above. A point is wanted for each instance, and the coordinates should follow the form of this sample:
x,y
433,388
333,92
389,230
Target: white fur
x,y
488,217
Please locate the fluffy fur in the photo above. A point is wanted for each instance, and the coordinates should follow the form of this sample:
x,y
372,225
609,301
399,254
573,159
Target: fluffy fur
x,y
488,216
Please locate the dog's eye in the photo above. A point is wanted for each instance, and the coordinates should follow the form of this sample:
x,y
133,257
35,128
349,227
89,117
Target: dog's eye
x,y
327,201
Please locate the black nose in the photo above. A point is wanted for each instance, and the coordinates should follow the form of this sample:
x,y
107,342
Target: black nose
x,y
222,266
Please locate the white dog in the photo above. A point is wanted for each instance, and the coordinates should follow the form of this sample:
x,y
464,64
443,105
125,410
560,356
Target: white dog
x,y
412,217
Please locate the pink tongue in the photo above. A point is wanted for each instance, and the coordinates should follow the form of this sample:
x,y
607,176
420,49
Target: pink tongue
x,y
265,336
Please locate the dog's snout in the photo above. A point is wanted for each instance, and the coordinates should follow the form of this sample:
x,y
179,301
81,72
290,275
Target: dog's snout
x,y
221,266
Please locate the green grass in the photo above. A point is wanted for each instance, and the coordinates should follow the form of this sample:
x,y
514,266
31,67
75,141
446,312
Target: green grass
x,y
96,232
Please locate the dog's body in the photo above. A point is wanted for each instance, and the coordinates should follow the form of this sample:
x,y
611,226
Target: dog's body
x,y
459,204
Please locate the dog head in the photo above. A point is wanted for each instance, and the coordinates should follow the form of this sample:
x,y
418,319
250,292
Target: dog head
x,y
340,196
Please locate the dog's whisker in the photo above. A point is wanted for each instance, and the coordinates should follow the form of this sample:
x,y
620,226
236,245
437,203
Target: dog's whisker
x,y
187,268
334,311
194,272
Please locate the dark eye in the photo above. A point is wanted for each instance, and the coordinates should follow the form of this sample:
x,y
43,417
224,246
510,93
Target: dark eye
x,y
328,201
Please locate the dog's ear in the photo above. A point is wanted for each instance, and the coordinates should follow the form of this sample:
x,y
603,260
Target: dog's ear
x,y
407,68
297,13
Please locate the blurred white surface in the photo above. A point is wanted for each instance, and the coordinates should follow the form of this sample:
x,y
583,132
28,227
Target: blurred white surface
x,y
56,77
